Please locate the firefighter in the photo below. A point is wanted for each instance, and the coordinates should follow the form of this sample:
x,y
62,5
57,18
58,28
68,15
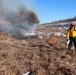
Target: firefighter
x,y
71,36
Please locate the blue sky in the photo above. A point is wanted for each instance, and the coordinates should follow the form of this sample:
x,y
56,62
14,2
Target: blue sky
x,y
46,10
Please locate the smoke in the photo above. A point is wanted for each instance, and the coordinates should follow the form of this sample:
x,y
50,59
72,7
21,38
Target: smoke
x,y
17,24
17,31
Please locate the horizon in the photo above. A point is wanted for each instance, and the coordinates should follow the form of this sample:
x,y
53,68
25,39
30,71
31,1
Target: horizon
x,y
46,10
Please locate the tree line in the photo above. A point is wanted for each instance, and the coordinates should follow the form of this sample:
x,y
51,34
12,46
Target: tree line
x,y
65,20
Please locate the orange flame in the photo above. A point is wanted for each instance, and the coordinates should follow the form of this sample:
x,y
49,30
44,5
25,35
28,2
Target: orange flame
x,y
52,40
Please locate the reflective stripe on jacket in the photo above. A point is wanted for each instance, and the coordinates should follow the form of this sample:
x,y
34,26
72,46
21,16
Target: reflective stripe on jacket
x,y
71,32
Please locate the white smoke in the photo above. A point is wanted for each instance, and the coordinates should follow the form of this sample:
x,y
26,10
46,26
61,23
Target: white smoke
x,y
10,23
17,31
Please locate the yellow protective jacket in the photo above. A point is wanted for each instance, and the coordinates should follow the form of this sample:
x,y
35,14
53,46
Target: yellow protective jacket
x,y
71,32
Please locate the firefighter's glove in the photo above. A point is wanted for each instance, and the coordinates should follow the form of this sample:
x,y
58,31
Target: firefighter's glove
x,y
67,41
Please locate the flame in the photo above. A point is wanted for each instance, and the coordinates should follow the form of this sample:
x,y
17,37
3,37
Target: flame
x,y
52,40
2,22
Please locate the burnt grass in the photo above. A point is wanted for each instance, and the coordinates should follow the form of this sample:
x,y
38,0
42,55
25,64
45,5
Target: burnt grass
x,y
37,56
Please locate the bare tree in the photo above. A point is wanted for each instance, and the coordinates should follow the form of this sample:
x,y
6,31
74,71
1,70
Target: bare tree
x,y
22,14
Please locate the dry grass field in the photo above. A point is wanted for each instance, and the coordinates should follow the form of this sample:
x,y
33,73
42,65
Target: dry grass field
x,y
36,55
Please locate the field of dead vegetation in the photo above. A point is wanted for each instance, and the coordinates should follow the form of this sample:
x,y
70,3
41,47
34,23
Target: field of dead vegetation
x,y
37,56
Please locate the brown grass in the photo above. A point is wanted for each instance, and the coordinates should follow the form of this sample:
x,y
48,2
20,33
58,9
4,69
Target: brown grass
x,y
37,56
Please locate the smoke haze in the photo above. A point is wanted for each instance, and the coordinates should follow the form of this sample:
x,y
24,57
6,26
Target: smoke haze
x,y
16,24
